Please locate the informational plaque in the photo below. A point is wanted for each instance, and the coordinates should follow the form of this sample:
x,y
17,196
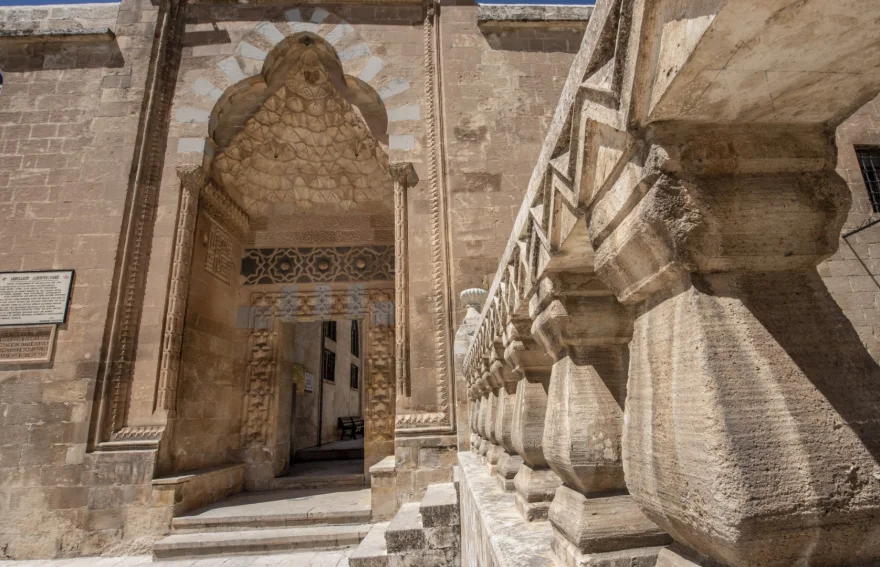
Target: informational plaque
x,y
34,298
310,382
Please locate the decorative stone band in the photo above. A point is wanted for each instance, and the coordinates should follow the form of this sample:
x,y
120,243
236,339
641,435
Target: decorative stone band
x,y
323,264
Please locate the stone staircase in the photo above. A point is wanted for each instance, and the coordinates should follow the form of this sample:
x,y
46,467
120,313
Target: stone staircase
x,y
270,522
423,534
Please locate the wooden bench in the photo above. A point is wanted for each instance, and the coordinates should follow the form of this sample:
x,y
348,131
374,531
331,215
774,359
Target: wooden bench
x,y
353,426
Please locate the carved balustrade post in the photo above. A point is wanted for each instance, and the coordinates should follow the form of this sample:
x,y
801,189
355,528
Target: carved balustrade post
x,y
535,483
485,402
509,461
585,330
751,433
495,450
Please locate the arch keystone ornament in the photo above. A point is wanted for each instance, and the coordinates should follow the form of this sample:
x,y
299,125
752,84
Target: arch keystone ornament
x,y
694,180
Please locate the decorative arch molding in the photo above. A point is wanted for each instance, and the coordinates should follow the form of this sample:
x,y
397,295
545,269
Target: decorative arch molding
x,y
254,57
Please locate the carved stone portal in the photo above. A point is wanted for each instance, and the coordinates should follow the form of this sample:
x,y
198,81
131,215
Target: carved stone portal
x,y
271,309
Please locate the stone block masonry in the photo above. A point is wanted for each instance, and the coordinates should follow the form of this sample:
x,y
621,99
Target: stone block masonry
x,y
69,115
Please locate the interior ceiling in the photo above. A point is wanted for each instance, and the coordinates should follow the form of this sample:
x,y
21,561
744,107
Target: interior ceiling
x,y
306,149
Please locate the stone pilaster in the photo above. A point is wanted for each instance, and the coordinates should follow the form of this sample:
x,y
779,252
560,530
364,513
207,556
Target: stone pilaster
x,y
751,432
585,330
535,483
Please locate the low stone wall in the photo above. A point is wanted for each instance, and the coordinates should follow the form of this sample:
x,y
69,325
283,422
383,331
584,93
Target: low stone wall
x,y
186,492
493,534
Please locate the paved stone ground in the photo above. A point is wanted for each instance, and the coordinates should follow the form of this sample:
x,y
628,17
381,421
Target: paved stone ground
x,y
336,558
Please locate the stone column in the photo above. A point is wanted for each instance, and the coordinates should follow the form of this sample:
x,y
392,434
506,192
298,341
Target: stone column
x,y
752,432
509,461
535,483
585,330
403,176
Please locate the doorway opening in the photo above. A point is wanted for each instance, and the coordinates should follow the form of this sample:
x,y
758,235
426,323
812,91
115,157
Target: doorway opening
x,y
326,415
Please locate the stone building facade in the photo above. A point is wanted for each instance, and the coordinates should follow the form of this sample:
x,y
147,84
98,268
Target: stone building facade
x,y
221,175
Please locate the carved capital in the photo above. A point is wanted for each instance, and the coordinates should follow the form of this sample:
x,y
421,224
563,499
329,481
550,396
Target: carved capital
x,y
403,174
192,176
720,200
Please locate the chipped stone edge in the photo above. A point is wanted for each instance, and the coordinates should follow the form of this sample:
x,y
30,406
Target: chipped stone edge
x,y
519,15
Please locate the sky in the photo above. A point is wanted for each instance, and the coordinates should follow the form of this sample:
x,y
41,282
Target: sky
x,y
44,2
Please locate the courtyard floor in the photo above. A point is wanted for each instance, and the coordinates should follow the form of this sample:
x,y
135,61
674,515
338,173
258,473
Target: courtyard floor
x,y
335,558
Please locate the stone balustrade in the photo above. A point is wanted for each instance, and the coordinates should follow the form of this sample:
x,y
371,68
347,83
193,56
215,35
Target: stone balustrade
x,y
657,355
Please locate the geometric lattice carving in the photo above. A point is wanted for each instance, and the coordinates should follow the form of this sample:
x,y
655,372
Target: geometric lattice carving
x,y
318,265
219,260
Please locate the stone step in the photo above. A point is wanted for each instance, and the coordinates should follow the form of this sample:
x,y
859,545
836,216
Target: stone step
x,y
278,509
273,521
405,531
313,482
210,544
439,507
372,551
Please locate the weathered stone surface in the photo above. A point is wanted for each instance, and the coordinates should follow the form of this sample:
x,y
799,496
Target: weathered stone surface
x,y
439,507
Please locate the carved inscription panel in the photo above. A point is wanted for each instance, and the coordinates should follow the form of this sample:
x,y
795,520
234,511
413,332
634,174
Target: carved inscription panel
x,y
31,344
219,260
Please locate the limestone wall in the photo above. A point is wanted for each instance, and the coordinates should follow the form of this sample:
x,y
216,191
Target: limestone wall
x,y
69,116
852,273
207,428
501,83
307,351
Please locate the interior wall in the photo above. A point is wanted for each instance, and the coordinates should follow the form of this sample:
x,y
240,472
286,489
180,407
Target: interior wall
x,y
302,345
209,399
340,400
307,351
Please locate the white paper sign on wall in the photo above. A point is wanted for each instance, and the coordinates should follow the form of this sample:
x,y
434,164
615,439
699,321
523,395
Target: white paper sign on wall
x,y
310,382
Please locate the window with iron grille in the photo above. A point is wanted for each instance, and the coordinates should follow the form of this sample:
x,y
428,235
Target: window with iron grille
x,y
869,162
355,339
328,365
355,377
330,330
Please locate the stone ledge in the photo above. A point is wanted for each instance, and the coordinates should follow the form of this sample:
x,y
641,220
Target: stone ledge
x,y
81,22
516,15
493,532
